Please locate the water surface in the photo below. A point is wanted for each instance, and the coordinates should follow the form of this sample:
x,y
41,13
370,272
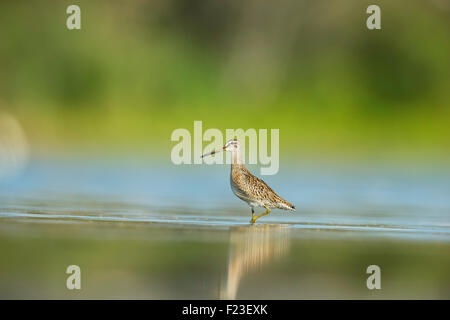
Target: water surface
x,y
155,232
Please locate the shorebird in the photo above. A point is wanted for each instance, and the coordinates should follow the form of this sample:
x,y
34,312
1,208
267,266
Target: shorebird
x,y
249,188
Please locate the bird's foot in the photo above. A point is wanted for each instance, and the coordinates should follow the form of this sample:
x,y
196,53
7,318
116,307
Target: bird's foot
x,y
255,217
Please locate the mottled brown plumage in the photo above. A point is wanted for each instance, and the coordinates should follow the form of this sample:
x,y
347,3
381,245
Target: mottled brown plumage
x,y
249,188
254,190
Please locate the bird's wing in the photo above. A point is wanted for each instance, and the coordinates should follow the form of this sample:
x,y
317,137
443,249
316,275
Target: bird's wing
x,y
263,192
260,189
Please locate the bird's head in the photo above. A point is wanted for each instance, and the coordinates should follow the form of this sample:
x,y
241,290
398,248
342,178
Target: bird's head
x,y
231,145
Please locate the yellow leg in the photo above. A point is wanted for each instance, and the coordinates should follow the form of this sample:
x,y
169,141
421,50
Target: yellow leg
x,y
255,217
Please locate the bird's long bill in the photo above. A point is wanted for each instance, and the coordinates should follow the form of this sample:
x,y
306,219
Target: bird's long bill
x,y
212,152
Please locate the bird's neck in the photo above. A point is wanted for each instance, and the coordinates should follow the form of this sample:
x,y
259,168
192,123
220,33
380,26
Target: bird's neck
x,y
237,157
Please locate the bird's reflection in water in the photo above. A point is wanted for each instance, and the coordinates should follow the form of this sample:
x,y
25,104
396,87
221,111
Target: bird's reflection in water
x,y
252,247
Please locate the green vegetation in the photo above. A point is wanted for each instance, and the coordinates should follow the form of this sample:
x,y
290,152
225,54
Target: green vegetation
x,y
137,71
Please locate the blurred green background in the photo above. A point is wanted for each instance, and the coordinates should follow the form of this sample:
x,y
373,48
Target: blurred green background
x,y
137,70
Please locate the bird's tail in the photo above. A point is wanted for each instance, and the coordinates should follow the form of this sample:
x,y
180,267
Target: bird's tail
x,y
286,205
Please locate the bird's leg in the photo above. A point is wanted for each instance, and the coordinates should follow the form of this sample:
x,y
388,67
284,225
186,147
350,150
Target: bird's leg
x,y
263,214
254,218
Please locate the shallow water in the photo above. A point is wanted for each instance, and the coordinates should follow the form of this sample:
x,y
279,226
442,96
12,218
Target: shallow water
x,y
152,231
